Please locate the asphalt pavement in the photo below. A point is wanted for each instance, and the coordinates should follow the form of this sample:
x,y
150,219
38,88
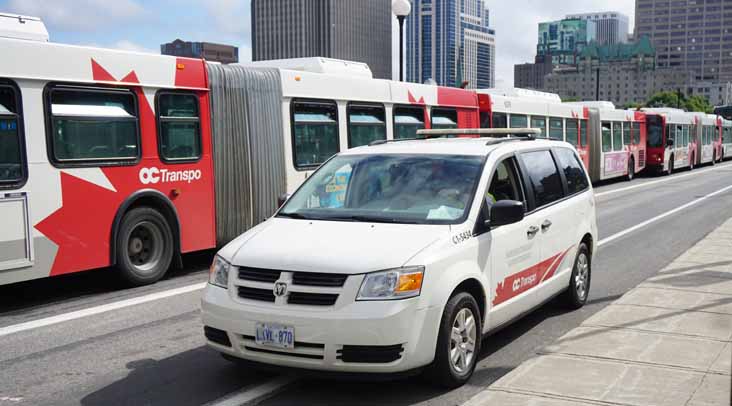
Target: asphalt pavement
x,y
151,350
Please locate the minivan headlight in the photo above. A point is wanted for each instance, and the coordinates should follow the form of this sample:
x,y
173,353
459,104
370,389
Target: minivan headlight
x,y
219,275
400,283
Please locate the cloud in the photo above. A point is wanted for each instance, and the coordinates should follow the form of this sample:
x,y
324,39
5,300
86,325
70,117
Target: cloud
x,y
79,15
127,45
517,32
231,16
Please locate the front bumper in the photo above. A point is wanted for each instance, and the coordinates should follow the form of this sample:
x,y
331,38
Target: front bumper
x,y
328,340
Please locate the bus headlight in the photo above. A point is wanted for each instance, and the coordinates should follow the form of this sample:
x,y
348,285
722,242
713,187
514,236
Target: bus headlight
x,y
219,274
400,283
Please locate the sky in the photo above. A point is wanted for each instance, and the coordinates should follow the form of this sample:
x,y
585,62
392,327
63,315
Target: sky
x,y
143,25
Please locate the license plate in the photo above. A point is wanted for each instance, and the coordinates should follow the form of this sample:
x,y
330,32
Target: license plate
x,y
275,335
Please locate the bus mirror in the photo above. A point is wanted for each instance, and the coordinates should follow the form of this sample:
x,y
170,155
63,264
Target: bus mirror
x,y
670,142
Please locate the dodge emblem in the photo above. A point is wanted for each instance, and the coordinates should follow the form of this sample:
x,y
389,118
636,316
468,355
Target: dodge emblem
x,y
280,289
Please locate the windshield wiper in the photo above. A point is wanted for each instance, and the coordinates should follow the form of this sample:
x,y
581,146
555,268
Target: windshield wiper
x,y
371,219
297,216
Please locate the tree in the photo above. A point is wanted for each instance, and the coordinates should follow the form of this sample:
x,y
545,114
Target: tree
x,y
671,99
570,99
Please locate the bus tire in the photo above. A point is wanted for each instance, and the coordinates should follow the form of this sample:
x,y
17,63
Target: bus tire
x,y
631,169
579,282
714,158
145,246
446,371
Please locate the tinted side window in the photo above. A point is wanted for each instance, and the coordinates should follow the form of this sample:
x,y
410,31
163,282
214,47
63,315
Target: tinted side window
x,y
544,176
180,130
572,131
540,123
407,120
500,120
12,167
444,119
583,133
636,132
366,124
93,125
607,140
556,129
574,172
519,121
505,184
617,136
315,132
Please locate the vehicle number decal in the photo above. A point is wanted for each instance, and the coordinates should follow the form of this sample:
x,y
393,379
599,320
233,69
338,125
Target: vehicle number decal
x,y
462,237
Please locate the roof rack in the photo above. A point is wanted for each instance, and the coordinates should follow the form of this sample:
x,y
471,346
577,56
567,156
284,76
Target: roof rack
x,y
498,134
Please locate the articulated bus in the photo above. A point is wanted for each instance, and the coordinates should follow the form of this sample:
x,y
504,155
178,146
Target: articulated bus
x,y
611,142
671,139
113,158
726,139
708,138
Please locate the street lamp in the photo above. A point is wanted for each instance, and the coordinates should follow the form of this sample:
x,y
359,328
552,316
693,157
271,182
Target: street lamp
x,y
401,9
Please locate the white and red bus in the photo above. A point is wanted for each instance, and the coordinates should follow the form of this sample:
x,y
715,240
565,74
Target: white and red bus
x,y
671,139
726,139
113,158
619,153
708,138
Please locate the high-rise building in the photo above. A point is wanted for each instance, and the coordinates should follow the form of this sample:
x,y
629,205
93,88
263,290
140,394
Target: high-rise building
x,y
449,41
354,30
206,50
611,27
692,35
563,40
531,75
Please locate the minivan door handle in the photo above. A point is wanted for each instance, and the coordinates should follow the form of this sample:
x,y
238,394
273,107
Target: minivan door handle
x,y
532,231
545,225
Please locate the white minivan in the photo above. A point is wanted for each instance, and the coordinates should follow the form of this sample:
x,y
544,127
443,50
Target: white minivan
x,y
402,255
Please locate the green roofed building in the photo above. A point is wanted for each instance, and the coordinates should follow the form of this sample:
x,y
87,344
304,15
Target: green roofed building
x,y
626,73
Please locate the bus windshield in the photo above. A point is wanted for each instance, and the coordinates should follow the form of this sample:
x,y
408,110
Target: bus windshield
x,y
655,131
402,189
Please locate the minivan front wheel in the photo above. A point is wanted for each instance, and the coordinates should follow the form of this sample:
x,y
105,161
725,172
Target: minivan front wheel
x,y
458,343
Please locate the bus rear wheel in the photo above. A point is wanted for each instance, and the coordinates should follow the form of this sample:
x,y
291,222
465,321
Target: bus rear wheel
x,y
670,170
144,246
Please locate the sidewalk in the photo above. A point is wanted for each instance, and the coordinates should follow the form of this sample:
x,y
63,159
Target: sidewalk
x,y
666,342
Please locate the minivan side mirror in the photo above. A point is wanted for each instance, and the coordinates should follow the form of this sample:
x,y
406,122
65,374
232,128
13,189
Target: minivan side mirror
x,y
670,142
506,212
282,199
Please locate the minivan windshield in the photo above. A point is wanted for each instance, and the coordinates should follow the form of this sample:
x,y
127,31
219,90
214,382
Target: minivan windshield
x,y
392,188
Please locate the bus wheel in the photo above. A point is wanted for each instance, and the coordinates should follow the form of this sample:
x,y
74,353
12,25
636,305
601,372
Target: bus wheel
x,y
714,158
631,169
144,246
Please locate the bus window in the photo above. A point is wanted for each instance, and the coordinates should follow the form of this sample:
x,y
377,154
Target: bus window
x,y
540,123
443,119
556,129
500,120
583,133
617,136
635,130
686,135
407,120
485,119
670,132
727,135
315,132
680,134
654,124
572,132
626,133
93,125
12,168
607,139
180,131
518,121
366,124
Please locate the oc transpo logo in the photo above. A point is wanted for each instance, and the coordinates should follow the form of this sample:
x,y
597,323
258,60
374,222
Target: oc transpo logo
x,y
154,175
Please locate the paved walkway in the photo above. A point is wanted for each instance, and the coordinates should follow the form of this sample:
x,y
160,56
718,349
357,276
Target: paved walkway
x,y
666,342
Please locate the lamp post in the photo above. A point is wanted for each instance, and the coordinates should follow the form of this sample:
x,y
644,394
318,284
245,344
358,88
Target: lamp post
x,y
401,9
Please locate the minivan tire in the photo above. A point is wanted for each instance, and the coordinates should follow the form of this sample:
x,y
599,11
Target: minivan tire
x,y
144,246
579,282
445,371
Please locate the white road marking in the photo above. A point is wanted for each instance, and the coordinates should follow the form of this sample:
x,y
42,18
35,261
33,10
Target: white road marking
x,y
16,328
660,216
256,394
666,179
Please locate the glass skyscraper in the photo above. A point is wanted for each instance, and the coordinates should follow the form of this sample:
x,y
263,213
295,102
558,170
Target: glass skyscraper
x,y
450,41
